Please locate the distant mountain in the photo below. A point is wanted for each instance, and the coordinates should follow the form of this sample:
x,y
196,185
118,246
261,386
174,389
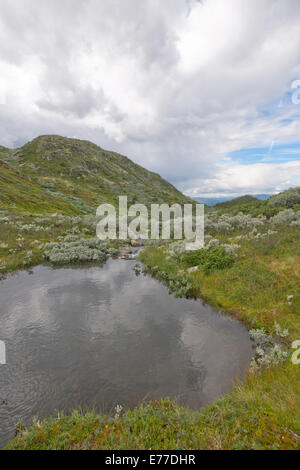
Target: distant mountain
x,y
53,173
212,201
238,201
262,197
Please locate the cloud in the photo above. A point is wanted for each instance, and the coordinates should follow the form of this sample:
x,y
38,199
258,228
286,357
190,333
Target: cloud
x,y
233,179
175,85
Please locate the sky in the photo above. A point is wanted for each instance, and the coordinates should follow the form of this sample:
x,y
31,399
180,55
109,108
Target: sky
x,y
206,93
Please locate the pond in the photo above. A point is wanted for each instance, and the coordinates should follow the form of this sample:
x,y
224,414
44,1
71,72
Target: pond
x,y
100,336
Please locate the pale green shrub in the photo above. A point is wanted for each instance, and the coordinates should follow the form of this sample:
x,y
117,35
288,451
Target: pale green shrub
x,y
230,249
283,217
274,356
283,333
90,249
31,228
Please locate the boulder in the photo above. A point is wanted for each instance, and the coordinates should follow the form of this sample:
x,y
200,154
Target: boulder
x,y
136,242
193,269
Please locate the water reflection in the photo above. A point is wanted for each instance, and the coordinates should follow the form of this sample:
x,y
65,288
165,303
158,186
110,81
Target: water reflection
x,y
100,336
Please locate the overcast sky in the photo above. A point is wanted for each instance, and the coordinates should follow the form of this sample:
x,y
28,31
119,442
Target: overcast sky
x,y
203,92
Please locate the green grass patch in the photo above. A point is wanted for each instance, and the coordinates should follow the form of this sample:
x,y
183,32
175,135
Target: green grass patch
x,y
209,260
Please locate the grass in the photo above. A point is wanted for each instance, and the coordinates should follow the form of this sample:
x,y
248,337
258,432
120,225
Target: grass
x,y
254,288
19,193
262,412
259,414
21,248
73,177
16,244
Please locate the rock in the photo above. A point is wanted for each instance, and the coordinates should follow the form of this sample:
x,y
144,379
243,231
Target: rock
x,y
136,242
193,269
113,251
125,252
125,249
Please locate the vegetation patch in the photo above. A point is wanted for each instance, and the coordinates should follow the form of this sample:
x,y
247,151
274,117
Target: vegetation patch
x,y
91,249
209,260
249,268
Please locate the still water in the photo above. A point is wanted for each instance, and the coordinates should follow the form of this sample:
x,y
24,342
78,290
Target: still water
x,y
101,336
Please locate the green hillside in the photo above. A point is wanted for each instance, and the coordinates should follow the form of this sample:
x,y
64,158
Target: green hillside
x,y
236,202
288,198
53,173
19,193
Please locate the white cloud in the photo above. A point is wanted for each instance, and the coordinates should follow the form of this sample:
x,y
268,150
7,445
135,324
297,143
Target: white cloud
x,y
176,85
248,179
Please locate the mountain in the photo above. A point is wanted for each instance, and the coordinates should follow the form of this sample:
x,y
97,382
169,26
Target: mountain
x,y
53,173
212,201
262,197
19,193
238,201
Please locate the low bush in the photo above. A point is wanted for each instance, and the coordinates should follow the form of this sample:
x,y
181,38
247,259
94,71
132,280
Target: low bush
x,y
209,260
91,249
288,198
180,287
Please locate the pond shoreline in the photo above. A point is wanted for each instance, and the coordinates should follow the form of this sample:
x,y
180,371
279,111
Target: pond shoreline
x,y
205,350
285,437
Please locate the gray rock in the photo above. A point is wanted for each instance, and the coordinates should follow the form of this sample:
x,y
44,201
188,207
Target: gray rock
x,y
193,269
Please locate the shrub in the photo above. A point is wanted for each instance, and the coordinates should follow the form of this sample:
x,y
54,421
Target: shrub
x,y
91,249
70,238
268,353
295,223
176,249
209,260
230,248
213,242
284,217
274,356
179,287
259,335
288,198
31,228
226,223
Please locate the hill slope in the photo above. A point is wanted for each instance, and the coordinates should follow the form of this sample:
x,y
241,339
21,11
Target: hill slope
x,y
288,198
76,176
236,202
212,201
17,192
